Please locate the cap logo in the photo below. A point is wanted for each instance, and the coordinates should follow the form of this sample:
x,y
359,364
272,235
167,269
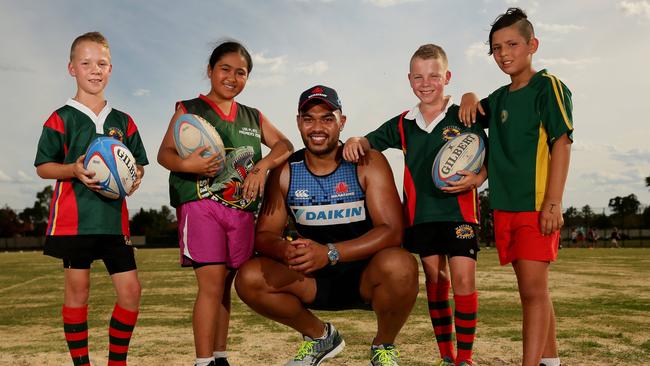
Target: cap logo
x,y
317,90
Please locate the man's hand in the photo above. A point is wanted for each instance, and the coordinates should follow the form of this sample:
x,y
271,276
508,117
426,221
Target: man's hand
x,y
84,175
306,255
550,219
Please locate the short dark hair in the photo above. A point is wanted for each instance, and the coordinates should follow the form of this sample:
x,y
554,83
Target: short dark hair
x,y
90,37
230,47
512,16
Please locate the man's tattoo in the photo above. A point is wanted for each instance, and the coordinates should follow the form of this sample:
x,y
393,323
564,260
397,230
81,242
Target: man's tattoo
x,y
256,170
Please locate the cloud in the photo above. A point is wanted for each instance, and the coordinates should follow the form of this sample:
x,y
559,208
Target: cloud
x,y
15,68
608,179
23,177
578,63
267,80
4,177
141,93
477,50
315,68
630,157
559,28
272,64
635,8
387,3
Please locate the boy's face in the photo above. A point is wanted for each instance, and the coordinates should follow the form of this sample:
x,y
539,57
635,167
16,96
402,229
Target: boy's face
x,y
512,52
91,66
428,79
320,128
229,75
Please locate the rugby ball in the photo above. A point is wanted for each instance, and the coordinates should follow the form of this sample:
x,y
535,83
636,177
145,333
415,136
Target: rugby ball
x,y
113,164
463,152
192,132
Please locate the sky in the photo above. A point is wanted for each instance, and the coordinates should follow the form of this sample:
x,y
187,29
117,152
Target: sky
x,y
599,49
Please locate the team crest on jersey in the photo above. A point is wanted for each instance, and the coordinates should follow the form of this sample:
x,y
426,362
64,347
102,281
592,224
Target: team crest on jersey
x,y
116,133
464,232
450,132
301,194
341,187
504,116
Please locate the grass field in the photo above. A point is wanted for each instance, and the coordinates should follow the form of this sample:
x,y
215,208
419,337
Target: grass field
x,y
601,296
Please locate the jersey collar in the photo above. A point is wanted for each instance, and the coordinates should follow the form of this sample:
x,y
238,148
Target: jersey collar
x,y
415,114
98,120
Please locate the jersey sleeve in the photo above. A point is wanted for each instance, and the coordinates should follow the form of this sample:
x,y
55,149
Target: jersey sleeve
x,y
556,109
134,143
51,145
386,136
484,120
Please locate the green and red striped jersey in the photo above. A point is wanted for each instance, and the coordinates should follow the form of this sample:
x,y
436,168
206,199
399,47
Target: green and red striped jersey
x,y
423,201
75,209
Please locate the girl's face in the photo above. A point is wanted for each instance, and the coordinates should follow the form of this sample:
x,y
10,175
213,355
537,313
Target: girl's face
x,y
512,52
229,75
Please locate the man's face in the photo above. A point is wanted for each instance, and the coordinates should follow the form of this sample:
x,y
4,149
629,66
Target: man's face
x,y
320,127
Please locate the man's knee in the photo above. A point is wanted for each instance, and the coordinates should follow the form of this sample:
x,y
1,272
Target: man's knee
x,y
396,265
249,279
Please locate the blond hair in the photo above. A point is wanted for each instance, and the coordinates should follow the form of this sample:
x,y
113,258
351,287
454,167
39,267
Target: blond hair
x,y
91,37
429,51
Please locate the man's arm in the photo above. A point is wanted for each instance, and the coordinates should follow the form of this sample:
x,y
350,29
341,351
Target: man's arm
x,y
273,217
384,208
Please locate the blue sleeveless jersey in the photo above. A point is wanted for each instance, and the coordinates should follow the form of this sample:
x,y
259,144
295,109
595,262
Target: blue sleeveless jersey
x,y
329,208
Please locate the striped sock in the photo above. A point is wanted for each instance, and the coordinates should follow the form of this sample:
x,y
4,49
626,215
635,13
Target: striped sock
x,y
440,313
75,326
119,334
465,318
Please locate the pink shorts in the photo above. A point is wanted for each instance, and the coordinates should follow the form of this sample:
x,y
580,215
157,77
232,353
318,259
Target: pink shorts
x,y
211,233
518,236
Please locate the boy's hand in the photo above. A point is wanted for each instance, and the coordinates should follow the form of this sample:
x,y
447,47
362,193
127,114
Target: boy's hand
x,y
254,182
208,167
138,179
469,103
550,219
469,181
84,175
353,149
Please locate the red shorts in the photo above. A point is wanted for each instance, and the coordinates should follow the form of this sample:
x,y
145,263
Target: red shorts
x,y
518,236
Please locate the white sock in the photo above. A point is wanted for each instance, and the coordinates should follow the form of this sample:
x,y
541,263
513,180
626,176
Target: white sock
x,y
554,361
203,361
220,354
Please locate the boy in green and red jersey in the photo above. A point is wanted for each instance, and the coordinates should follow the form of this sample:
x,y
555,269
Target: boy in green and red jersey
x,y
83,225
442,223
531,131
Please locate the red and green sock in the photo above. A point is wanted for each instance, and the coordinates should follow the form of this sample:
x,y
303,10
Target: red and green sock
x,y
119,333
75,326
465,319
440,313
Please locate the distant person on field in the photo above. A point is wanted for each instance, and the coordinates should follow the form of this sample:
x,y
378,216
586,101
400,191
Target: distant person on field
x,y
84,225
347,254
615,236
216,197
442,223
531,132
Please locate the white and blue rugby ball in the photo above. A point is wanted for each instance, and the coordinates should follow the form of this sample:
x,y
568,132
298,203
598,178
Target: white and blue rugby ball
x,y
465,151
192,132
113,164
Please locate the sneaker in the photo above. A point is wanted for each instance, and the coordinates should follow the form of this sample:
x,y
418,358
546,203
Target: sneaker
x,y
313,352
222,361
210,364
444,362
384,355
466,363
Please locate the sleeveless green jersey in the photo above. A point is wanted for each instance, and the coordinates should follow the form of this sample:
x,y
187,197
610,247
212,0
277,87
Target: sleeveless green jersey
x,y
75,209
523,125
423,201
240,131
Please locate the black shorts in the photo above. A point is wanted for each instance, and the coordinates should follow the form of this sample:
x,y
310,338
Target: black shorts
x,y
442,238
337,287
79,251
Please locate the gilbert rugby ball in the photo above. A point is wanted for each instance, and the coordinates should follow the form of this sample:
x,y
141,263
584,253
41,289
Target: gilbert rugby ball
x,y
113,164
192,132
463,152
